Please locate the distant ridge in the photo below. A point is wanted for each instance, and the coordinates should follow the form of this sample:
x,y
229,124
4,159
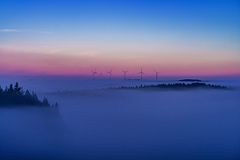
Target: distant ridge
x,y
177,86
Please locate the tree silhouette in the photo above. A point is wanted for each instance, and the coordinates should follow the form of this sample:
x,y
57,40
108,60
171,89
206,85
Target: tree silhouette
x,y
17,96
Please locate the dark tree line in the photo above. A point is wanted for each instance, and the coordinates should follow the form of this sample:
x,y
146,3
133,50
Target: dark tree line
x,y
176,86
16,95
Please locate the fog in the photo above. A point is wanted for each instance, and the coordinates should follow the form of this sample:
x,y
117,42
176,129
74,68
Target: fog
x,y
93,122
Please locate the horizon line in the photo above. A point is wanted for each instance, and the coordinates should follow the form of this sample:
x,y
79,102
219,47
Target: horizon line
x,y
117,76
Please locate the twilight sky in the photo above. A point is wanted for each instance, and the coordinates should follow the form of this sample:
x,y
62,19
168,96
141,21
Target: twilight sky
x,y
70,37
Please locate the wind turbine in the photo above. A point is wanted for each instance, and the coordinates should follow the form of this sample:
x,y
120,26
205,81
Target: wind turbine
x,y
94,72
110,74
141,74
125,74
156,74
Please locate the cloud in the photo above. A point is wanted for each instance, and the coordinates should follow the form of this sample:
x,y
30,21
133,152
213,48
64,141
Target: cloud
x,y
11,30
6,30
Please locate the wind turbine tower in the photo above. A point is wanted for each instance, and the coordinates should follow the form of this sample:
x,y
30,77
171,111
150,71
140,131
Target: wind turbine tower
x,y
94,72
156,75
125,74
141,74
110,74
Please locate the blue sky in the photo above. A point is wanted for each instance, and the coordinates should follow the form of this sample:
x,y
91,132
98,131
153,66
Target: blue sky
x,y
217,17
134,28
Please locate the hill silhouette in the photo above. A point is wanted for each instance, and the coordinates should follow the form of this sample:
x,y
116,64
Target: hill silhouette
x,y
177,86
190,80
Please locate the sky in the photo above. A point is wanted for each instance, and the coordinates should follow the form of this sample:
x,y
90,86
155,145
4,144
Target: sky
x,y
70,37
